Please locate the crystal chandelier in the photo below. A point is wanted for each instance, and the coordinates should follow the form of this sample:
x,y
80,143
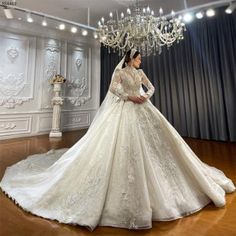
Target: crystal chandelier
x,y
141,29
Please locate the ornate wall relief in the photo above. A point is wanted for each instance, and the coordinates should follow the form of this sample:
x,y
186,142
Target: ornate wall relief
x,y
78,85
16,69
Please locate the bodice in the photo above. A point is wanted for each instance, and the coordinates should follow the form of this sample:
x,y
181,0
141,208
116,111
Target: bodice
x,y
127,82
131,80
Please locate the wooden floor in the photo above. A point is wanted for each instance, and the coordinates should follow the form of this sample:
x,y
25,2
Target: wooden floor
x,y
210,221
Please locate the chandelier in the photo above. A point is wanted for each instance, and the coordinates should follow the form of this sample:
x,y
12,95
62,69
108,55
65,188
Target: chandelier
x,y
140,28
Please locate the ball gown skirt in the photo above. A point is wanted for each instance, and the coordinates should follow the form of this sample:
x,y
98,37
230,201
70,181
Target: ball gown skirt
x,y
129,169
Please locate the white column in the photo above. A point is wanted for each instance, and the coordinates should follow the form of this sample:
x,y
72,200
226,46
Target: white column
x,y
57,102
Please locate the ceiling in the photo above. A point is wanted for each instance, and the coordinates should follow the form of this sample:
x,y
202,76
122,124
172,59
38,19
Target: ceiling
x,y
76,10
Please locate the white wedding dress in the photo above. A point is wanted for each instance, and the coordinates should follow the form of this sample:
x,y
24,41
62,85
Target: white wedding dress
x,y
130,168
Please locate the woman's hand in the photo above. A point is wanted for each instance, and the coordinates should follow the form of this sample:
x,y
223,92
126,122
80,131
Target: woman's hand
x,y
137,99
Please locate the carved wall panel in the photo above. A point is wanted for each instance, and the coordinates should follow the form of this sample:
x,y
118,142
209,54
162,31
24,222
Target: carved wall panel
x,y
75,120
15,125
78,85
17,66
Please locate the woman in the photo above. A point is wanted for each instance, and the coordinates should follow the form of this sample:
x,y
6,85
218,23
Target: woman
x,y
131,167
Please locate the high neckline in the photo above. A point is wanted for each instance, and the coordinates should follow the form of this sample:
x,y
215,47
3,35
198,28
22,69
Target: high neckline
x,y
131,67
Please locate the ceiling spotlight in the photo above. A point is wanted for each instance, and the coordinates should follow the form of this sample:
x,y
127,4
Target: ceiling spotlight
x,y
84,32
62,26
73,29
188,17
95,35
44,22
228,11
29,18
210,12
230,8
199,15
8,13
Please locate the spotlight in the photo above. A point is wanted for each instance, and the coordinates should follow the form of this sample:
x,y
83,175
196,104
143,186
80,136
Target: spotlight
x,y
73,29
84,32
188,17
230,8
199,15
62,26
228,11
8,13
44,22
95,35
210,12
29,18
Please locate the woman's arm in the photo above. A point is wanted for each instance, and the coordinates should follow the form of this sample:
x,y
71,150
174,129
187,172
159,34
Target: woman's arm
x,y
147,84
117,88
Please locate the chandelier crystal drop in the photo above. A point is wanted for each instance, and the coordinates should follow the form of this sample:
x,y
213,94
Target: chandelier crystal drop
x,y
140,28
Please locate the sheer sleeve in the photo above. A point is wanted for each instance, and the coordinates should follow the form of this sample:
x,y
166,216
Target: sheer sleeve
x,y
117,88
148,84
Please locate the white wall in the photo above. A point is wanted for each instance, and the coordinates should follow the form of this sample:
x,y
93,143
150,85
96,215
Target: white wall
x,y
29,56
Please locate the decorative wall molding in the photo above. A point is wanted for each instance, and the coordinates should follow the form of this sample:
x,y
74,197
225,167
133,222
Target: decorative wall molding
x,y
15,125
25,87
12,53
44,123
76,120
16,69
79,74
11,102
51,61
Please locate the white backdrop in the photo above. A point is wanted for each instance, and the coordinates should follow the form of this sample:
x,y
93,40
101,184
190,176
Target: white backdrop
x,y
29,57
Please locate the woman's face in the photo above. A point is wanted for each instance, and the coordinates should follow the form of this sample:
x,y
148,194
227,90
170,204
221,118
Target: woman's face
x,y
137,61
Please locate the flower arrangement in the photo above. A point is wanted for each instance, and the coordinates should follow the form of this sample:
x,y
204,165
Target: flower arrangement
x,y
57,79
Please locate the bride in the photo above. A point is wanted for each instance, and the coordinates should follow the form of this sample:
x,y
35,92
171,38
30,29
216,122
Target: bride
x,y
129,169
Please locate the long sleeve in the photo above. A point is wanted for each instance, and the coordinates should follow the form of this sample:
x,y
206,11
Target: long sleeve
x,y
148,85
117,88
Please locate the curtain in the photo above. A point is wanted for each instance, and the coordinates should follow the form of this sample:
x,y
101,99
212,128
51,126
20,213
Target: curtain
x,y
195,80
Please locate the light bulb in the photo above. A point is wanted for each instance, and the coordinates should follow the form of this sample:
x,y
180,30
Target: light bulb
x,y
210,12
95,35
44,22
84,32
188,17
62,26
161,11
29,18
73,29
199,15
228,11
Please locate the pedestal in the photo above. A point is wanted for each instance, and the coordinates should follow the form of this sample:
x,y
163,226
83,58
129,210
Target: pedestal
x,y
57,102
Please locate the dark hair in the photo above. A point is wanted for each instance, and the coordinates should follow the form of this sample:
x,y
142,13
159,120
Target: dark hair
x,y
127,57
